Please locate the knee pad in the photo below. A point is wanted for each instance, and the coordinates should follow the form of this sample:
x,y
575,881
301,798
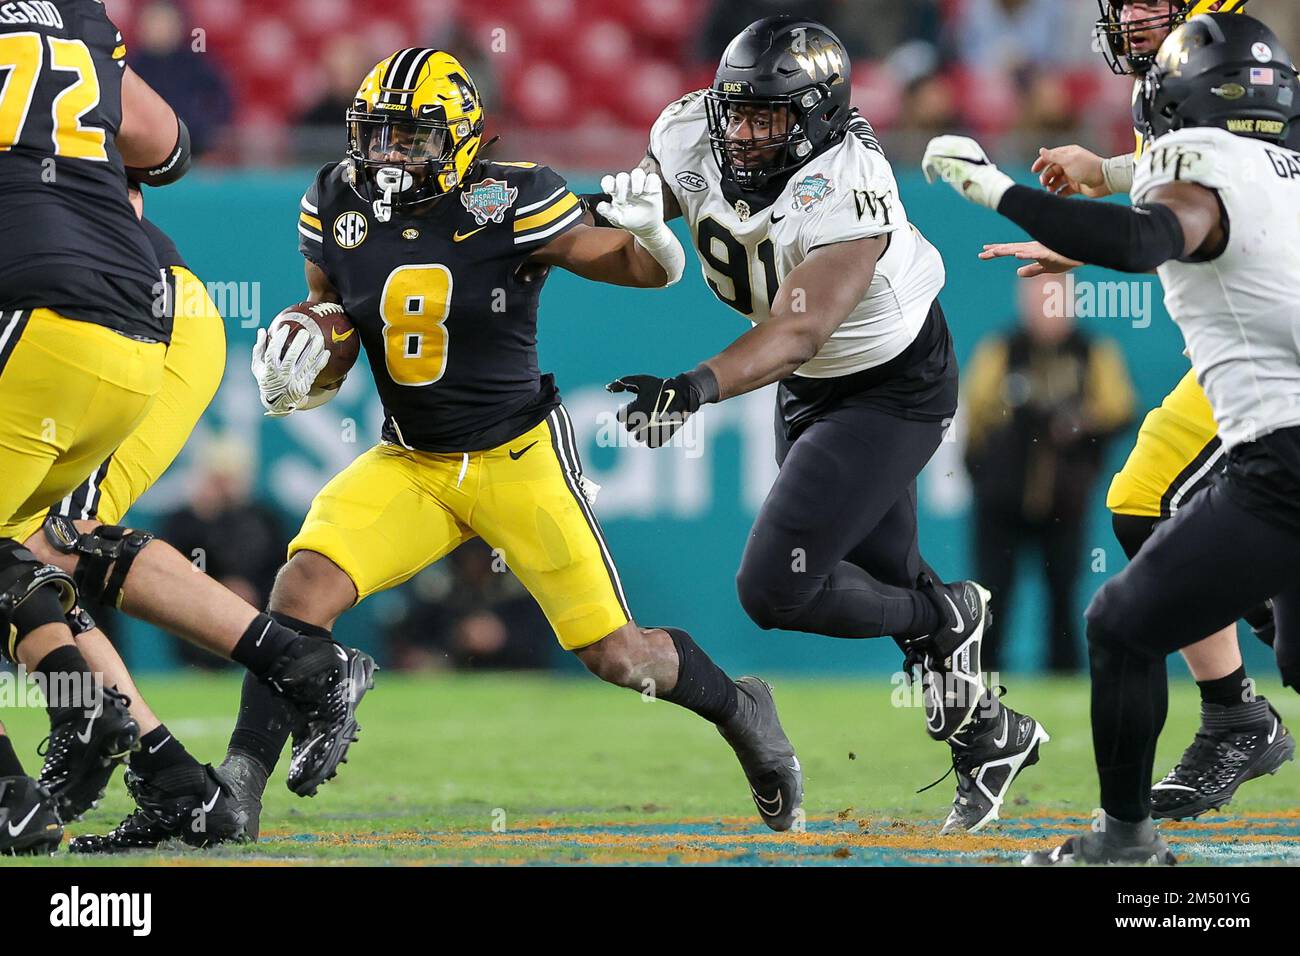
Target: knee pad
x,y
104,556
22,578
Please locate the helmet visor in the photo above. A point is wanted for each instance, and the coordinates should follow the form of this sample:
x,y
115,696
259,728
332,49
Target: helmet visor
x,y
389,141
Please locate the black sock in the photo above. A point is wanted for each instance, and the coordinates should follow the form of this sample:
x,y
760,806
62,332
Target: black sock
x,y
10,765
1130,699
262,644
701,686
1230,691
265,720
65,674
160,751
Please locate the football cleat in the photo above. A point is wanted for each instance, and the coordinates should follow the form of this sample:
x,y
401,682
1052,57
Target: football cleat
x,y
247,779
949,659
988,756
81,753
29,820
766,754
1233,745
1114,841
201,816
327,723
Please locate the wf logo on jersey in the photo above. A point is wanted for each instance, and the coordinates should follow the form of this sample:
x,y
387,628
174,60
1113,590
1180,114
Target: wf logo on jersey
x,y
488,200
810,191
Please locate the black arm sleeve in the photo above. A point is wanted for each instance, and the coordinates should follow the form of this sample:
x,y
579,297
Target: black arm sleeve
x,y
1129,239
176,165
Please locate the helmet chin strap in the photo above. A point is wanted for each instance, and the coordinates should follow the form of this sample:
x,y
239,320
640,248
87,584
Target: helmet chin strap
x,y
392,181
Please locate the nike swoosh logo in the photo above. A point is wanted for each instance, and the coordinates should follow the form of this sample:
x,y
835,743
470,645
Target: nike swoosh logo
x,y
154,750
516,455
1001,740
90,724
266,630
335,337
207,807
459,236
22,825
961,624
668,396
776,219
1272,734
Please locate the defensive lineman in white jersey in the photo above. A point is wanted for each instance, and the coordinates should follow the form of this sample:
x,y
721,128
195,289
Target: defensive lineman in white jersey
x,y
1215,210
797,220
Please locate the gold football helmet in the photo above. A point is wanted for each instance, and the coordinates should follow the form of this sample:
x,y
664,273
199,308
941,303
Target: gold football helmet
x,y
413,131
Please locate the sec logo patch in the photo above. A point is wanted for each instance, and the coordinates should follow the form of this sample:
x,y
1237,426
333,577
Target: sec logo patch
x,y
350,230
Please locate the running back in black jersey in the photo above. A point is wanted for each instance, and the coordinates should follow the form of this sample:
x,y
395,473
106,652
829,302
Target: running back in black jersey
x,y
446,314
72,242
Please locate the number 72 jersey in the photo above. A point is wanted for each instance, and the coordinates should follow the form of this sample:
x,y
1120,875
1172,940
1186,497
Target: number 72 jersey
x,y
748,244
444,301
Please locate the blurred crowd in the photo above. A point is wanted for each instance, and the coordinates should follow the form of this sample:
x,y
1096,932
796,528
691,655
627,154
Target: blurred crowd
x,y
577,83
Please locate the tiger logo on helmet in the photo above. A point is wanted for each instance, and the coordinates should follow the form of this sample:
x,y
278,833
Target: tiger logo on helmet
x,y
1114,38
414,130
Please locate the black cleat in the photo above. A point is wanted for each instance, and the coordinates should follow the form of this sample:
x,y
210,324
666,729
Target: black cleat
x,y
949,659
29,821
336,678
988,756
247,779
1113,841
1233,745
203,815
766,754
83,752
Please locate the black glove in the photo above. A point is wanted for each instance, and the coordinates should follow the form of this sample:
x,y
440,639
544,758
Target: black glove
x,y
662,405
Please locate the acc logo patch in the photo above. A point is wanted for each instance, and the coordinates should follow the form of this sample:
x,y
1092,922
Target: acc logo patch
x,y
350,230
692,182
810,191
488,200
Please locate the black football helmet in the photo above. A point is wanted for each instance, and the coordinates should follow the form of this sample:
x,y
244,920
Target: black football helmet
x,y
786,79
1225,72
1111,37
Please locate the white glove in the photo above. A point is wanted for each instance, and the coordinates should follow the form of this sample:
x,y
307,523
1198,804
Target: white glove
x,y
962,164
637,204
284,382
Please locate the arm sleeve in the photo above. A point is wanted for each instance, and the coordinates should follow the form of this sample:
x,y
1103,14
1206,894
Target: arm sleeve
x,y
311,236
545,208
1106,234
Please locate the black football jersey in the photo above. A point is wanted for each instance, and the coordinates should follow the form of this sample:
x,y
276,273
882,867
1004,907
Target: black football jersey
x,y
447,317
72,243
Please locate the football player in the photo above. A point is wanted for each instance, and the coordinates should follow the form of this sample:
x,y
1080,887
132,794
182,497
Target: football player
x,y
1178,453
799,227
83,337
1214,197
439,257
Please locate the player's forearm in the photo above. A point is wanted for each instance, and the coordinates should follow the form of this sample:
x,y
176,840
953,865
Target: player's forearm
x,y
765,354
1128,239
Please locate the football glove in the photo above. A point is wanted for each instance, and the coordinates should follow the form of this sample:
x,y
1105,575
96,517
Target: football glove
x,y
285,376
661,406
636,204
962,164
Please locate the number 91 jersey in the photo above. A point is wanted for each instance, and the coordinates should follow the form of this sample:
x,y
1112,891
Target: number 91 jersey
x,y
747,247
446,314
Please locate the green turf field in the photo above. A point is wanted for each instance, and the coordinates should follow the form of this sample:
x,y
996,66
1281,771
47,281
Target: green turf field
x,y
471,769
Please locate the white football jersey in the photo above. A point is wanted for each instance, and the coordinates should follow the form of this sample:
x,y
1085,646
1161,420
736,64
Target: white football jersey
x,y
1239,313
848,192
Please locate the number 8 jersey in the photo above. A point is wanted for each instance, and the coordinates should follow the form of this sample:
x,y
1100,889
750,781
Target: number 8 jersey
x,y
747,248
443,301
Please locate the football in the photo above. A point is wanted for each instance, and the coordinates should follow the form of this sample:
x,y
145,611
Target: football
x,y
331,323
